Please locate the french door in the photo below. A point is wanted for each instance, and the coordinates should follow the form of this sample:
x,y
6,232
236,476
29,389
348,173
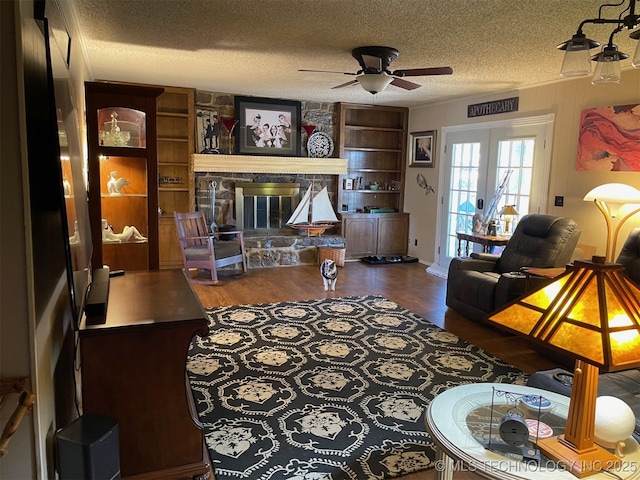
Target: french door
x,y
479,160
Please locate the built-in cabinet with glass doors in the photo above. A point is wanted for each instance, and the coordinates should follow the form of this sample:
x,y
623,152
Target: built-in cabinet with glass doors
x,y
123,194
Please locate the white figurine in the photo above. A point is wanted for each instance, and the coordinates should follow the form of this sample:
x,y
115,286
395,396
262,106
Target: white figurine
x,y
114,185
329,272
108,236
75,238
66,186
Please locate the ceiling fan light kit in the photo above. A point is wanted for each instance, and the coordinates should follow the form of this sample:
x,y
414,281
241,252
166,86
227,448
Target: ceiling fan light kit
x,y
374,82
577,60
374,74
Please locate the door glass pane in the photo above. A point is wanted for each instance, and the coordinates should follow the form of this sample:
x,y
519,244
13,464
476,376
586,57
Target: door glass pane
x,y
475,167
516,155
465,162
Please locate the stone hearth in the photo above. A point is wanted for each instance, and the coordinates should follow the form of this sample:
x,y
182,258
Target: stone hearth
x,y
279,250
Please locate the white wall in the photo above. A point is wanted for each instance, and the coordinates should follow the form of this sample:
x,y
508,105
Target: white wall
x,y
15,358
565,99
29,346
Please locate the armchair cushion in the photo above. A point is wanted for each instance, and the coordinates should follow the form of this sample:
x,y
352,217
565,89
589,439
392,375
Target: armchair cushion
x,y
197,252
484,282
221,248
479,290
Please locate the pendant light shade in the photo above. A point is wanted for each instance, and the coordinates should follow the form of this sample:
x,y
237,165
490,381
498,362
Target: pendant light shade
x,y
374,82
607,69
577,60
636,56
608,66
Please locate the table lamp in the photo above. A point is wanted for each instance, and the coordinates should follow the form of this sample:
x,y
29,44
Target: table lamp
x,y
507,212
592,312
610,198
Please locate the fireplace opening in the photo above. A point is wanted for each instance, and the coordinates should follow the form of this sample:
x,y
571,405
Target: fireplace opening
x,y
266,207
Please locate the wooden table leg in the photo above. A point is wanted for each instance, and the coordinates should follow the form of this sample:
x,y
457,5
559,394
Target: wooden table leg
x,y
444,466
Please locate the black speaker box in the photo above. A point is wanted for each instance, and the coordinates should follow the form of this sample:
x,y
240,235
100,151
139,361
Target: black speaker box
x,y
87,449
98,297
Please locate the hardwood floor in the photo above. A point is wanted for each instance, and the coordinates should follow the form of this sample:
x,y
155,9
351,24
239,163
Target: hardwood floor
x,y
406,284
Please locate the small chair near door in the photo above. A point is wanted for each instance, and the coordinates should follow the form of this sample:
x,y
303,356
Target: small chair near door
x,y
208,251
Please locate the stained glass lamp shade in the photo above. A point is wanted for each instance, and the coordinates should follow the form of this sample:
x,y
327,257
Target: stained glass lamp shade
x,y
592,313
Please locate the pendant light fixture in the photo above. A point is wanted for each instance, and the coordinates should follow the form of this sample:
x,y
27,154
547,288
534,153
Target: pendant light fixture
x,y
577,60
608,65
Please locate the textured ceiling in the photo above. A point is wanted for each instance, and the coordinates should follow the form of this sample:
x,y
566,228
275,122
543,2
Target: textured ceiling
x,y
250,47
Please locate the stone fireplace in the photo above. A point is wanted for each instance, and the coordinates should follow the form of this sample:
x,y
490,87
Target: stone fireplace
x,y
268,241
265,207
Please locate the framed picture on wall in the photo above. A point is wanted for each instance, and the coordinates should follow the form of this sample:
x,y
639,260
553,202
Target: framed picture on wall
x,y
423,147
267,126
609,139
207,131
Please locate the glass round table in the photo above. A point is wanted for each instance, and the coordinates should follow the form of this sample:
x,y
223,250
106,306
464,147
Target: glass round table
x,y
462,420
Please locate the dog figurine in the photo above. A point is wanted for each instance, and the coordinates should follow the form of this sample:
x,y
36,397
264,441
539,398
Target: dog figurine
x,y
329,272
114,185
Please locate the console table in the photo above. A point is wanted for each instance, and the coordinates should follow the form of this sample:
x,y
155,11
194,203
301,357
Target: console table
x,y
487,241
133,369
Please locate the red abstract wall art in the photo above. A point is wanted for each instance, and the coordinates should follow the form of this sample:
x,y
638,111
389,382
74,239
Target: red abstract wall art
x,y
609,139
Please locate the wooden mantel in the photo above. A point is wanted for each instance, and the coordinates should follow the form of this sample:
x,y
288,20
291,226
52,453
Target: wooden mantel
x,y
266,164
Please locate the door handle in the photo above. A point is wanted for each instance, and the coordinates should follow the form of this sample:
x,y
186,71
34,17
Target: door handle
x,y
480,204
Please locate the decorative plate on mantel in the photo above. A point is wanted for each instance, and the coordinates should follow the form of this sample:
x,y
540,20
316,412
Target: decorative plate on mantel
x,y
320,145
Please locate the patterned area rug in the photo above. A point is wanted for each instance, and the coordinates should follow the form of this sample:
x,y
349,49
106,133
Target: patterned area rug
x,y
326,389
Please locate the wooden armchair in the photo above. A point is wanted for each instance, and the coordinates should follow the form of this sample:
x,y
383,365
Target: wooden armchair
x,y
204,250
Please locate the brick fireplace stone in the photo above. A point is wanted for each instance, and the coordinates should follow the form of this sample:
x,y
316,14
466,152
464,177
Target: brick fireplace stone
x,y
286,250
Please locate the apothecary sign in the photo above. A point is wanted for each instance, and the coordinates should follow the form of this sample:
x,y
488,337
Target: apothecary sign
x,y
492,108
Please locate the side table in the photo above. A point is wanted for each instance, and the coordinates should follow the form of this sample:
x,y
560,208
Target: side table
x,y
487,241
449,421
539,277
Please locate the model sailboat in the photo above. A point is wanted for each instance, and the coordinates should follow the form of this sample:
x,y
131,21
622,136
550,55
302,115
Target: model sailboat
x,y
322,215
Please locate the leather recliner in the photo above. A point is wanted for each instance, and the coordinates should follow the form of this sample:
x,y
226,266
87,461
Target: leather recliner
x,y
479,284
629,256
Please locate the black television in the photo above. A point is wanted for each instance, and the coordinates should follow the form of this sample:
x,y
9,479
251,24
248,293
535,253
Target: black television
x,y
78,233
71,164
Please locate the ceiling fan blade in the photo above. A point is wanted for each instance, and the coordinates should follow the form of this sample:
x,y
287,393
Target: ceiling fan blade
x,y
372,63
327,71
418,72
351,82
406,84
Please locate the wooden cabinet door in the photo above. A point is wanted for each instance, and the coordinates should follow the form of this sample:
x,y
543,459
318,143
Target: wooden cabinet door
x,y
393,232
361,234
170,254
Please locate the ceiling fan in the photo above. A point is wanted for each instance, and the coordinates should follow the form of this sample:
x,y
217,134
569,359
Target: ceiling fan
x,y
374,74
